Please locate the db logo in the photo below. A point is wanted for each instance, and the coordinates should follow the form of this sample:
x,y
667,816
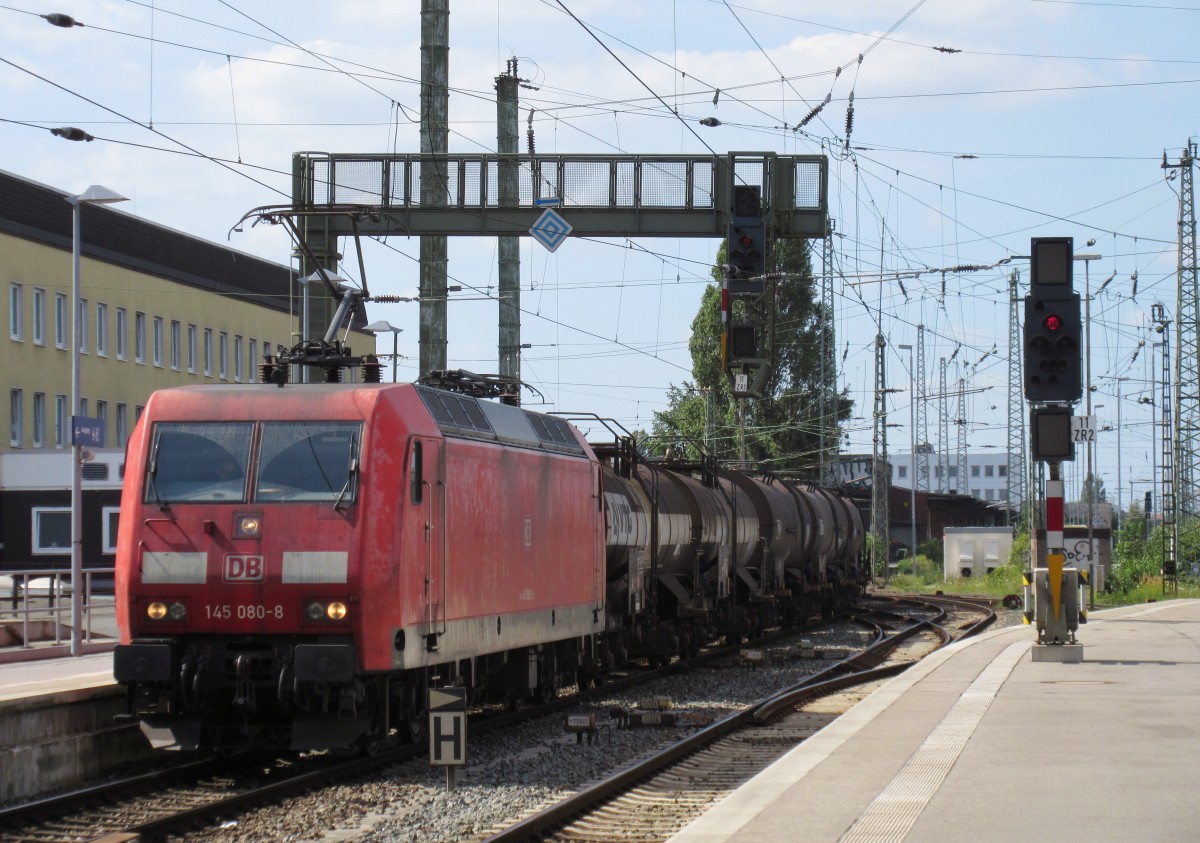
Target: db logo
x,y
240,568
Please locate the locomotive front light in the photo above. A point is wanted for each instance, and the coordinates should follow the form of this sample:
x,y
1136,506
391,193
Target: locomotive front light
x,y
171,612
318,610
247,527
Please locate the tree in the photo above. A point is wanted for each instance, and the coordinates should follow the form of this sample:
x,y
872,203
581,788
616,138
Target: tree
x,y
782,429
1093,490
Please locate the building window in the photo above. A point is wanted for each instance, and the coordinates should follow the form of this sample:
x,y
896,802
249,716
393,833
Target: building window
x,y
175,345
39,316
60,421
237,358
82,321
16,411
252,375
224,355
101,329
39,420
192,349
974,471
937,472
122,424
208,351
952,470
158,341
51,529
102,415
989,471
111,520
60,320
975,494
1003,469
16,318
122,333
83,408
137,412
902,471
139,337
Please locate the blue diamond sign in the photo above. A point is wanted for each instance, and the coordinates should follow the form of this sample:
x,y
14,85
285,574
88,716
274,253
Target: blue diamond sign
x,y
551,229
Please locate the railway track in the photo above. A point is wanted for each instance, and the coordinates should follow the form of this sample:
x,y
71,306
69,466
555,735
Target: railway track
x,y
652,800
196,799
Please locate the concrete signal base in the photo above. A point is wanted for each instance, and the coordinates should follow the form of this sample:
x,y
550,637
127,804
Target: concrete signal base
x,y
1061,653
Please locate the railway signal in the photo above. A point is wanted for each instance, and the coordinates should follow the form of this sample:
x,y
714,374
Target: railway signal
x,y
746,256
746,244
1053,327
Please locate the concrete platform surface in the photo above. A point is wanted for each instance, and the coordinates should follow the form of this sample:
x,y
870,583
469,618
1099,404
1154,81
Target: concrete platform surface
x,y
980,742
23,680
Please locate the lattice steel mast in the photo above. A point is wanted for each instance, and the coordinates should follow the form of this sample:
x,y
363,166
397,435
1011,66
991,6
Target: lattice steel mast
x,y
1170,507
1187,375
827,391
944,434
1017,502
880,476
961,420
922,459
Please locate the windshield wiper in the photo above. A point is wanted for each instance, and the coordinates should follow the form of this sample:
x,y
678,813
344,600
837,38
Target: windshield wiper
x,y
351,474
152,474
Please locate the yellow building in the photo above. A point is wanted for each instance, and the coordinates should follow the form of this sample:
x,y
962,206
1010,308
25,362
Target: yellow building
x,y
158,309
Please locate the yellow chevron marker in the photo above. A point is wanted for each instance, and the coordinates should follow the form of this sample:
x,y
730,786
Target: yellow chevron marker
x,y
1054,564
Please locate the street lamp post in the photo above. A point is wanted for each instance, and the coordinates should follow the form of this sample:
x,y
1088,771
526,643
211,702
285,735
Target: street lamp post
x,y
912,469
94,195
378,328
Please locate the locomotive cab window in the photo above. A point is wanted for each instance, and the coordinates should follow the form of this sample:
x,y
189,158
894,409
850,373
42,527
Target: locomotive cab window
x,y
309,461
197,462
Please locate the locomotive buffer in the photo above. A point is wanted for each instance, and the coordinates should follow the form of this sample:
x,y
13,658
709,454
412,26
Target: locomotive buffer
x,y
448,730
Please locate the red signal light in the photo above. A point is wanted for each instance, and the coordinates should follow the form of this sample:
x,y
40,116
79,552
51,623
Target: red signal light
x,y
1053,322
745,241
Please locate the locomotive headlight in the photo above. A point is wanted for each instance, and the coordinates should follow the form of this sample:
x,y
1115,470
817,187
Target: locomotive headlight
x,y
247,527
159,611
318,610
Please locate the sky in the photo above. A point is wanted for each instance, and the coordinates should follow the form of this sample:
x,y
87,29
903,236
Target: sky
x,y
977,124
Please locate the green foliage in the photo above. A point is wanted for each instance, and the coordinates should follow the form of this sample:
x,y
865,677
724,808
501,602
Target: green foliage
x,y
1019,555
1093,490
782,429
934,550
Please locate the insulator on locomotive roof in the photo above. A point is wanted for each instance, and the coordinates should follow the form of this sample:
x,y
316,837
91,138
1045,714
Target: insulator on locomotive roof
x,y
372,371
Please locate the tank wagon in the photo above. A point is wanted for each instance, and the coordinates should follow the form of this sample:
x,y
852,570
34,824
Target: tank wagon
x,y
298,564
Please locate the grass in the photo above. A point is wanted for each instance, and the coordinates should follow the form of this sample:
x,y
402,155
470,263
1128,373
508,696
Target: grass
x,y
925,577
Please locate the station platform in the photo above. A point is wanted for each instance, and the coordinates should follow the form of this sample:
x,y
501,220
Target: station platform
x,y
979,742
21,680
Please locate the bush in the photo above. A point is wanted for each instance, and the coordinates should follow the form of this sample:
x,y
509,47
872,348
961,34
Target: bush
x,y
933,551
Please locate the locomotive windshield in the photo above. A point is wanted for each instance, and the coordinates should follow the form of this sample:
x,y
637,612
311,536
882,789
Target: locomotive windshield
x,y
308,461
197,462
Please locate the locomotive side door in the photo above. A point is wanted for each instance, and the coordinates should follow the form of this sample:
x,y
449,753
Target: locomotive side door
x,y
427,489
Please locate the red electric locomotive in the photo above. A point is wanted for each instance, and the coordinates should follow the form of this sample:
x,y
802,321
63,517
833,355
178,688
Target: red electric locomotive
x,y
296,565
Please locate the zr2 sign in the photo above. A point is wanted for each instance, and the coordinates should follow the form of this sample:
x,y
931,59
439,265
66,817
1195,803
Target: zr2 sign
x,y
1083,429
